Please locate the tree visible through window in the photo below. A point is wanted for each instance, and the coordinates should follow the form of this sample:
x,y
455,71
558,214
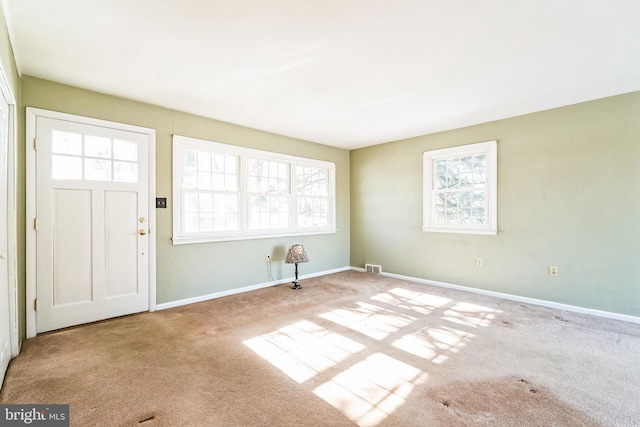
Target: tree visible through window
x,y
210,191
313,192
460,189
269,194
224,192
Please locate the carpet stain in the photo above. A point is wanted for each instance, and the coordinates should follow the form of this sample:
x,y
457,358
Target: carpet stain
x,y
503,401
151,418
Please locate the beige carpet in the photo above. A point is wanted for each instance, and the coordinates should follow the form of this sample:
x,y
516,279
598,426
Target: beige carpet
x,y
348,349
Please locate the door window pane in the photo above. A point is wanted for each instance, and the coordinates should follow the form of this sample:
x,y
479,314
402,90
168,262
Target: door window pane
x,y
125,150
66,167
125,172
66,143
97,146
97,170
97,159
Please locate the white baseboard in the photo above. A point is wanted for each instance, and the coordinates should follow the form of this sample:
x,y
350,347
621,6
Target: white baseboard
x,y
533,301
510,297
220,294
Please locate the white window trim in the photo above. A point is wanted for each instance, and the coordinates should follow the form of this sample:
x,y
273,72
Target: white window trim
x,y
489,148
180,143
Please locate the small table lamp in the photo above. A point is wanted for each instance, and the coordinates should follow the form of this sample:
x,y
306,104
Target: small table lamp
x,y
296,255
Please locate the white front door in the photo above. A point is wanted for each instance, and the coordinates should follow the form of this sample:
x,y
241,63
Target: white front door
x,y
92,223
5,324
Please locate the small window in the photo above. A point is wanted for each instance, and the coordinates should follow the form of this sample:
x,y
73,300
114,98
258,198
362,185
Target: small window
x,y
225,192
77,156
460,189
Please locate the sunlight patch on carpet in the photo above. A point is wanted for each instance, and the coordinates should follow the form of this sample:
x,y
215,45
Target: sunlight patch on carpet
x,y
411,300
435,344
371,320
303,349
472,315
372,389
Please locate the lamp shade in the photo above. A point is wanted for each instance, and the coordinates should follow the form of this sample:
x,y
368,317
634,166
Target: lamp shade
x,y
296,255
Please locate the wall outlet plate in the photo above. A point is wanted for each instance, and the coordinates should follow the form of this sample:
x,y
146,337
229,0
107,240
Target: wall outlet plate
x,y
553,270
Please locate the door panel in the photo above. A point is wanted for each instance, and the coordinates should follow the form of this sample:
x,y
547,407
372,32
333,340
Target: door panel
x,y
72,254
122,258
92,194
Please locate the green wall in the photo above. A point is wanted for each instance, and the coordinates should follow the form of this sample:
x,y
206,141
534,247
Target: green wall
x,y
186,271
568,182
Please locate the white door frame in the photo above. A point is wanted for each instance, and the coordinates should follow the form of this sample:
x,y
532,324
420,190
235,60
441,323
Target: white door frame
x,y
31,127
12,219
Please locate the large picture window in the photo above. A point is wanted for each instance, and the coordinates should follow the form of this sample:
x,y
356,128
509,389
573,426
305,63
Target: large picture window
x,y
225,192
460,191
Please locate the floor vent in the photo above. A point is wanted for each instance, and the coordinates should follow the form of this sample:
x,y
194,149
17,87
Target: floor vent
x,y
373,269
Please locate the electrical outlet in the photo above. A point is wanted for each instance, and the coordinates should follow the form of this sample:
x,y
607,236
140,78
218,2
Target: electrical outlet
x,y
553,270
267,258
478,262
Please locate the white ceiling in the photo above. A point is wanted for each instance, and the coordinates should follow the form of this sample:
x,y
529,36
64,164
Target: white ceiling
x,y
347,73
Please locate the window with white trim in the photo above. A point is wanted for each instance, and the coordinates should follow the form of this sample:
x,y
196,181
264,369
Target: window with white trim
x,y
460,189
226,192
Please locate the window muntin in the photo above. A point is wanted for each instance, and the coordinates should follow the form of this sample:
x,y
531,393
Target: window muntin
x,y
268,188
312,191
209,191
224,192
460,189
77,156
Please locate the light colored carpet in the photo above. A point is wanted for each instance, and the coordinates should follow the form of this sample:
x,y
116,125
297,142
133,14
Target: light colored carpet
x,y
348,349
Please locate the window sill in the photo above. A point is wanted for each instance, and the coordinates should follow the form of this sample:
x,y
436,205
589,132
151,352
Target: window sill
x,y
483,231
187,240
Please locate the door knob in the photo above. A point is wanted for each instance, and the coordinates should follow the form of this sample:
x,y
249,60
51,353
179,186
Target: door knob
x,y
142,232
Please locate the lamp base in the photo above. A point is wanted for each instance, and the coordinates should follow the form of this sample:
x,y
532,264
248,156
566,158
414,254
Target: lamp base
x,y
296,285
